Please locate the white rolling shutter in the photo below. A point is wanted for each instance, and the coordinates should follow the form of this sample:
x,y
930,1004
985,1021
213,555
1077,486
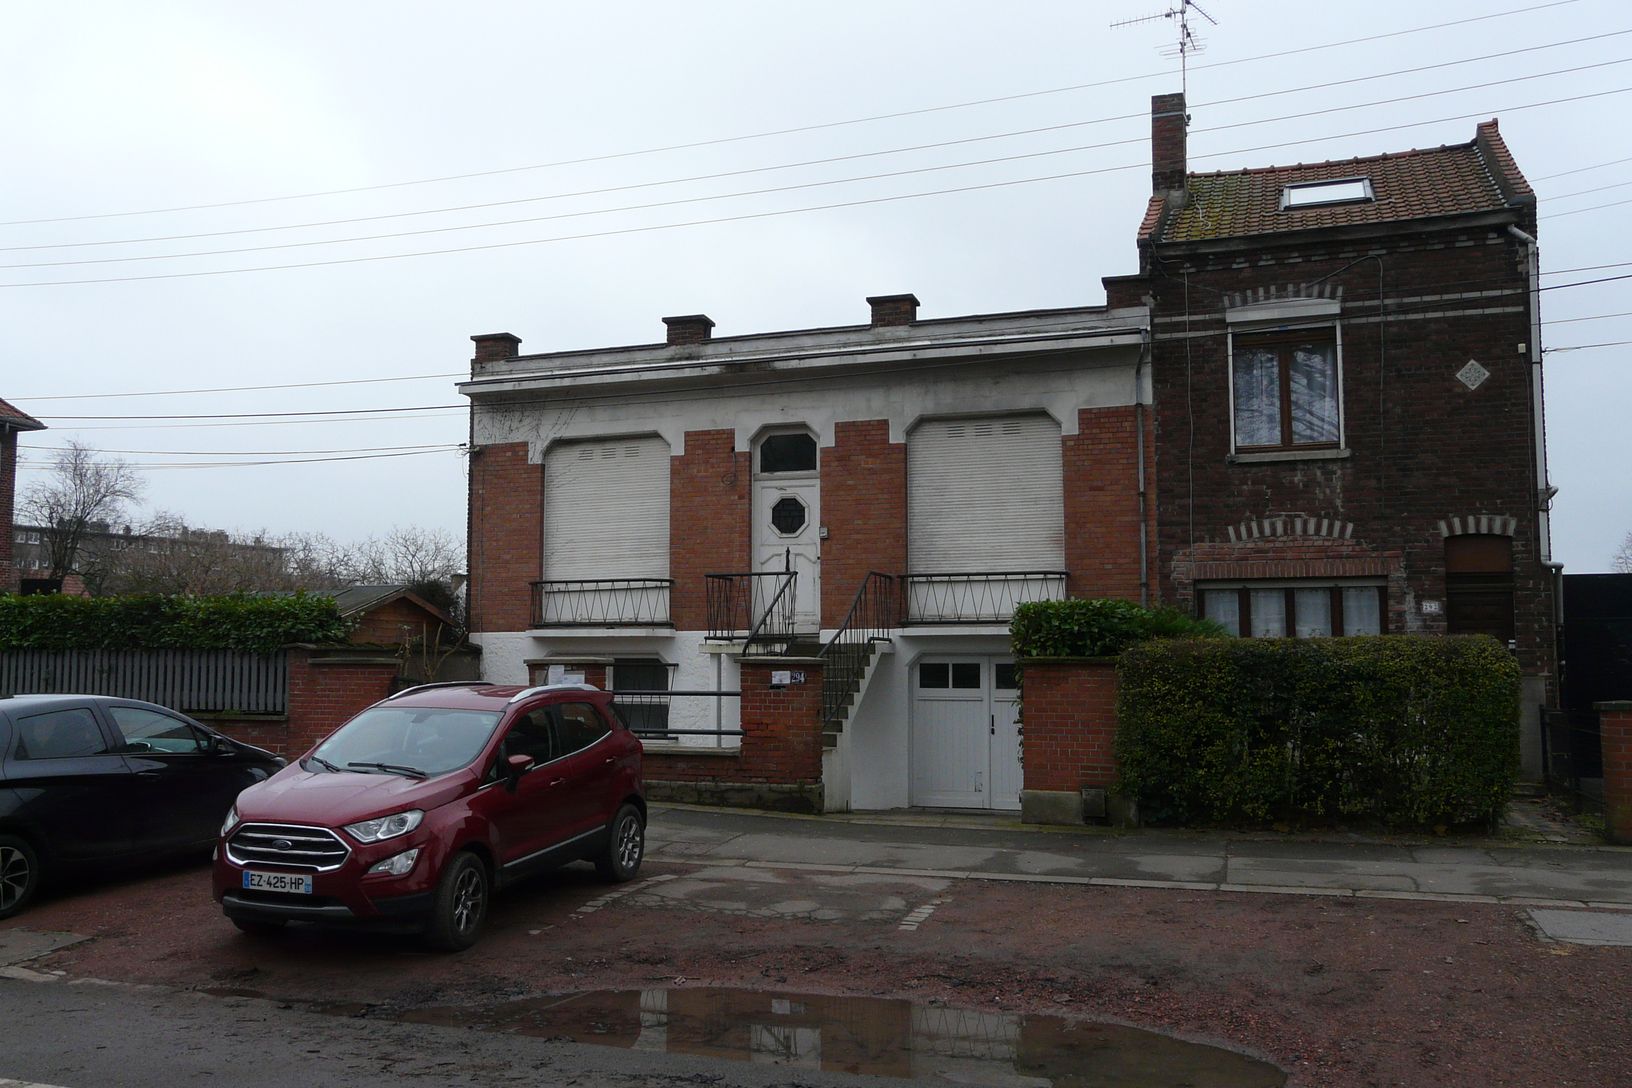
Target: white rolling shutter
x,y
606,509
985,495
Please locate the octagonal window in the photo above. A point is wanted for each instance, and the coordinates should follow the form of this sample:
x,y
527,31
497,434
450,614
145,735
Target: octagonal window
x,y
788,515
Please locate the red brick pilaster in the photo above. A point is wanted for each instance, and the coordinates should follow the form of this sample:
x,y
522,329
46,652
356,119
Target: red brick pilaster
x,y
864,506
1615,734
1101,464
1069,712
507,536
708,521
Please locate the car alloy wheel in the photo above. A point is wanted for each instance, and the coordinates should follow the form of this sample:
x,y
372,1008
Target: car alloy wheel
x,y
625,846
468,898
460,905
19,875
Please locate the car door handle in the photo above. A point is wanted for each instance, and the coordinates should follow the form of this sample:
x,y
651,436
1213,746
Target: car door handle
x,y
554,782
147,774
609,760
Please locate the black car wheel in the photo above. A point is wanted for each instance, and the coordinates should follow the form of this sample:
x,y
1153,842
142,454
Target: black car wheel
x,y
460,906
19,874
625,846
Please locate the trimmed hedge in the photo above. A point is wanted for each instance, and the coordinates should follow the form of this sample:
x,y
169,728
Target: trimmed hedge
x,y
238,622
1097,628
1400,730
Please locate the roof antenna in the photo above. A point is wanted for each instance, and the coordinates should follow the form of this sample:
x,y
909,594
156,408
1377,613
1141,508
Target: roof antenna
x,y
1189,42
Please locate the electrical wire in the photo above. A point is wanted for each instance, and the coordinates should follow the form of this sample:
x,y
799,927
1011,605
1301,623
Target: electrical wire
x,y
254,464
1581,169
245,453
776,213
788,131
718,175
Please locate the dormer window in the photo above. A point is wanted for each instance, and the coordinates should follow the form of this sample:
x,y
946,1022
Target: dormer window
x,y
1316,193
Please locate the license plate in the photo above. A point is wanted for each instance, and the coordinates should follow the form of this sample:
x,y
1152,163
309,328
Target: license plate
x,y
290,883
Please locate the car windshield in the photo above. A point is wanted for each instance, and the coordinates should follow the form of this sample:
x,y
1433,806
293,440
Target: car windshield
x,y
411,740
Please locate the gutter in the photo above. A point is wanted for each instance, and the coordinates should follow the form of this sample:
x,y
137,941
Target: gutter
x,y
1139,445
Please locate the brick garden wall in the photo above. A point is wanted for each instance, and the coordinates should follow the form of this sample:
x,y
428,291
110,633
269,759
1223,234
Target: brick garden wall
x,y
1069,720
779,763
326,687
1615,734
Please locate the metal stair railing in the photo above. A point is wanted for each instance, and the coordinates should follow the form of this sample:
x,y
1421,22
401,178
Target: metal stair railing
x,y
874,614
776,622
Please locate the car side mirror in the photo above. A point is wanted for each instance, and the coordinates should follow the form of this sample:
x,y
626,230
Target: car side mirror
x,y
514,767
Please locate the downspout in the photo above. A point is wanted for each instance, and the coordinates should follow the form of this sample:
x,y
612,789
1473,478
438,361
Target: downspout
x,y
1544,493
1139,444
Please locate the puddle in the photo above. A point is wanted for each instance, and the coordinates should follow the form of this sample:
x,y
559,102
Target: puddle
x,y
869,1035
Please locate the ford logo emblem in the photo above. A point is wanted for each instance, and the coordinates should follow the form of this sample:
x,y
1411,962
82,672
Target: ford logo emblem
x,y
283,844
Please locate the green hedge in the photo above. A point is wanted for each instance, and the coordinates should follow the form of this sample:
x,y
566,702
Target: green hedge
x,y
239,622
1096,628
1398,730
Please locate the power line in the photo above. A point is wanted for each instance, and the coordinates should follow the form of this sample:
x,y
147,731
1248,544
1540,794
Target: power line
x,y
718,175
1588,347
680,201
1591,208
1581,169
777,213
254,464
1593,317
248,453
787,131
244,388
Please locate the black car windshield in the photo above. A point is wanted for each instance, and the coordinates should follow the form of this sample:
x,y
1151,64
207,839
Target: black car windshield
x,y
431,740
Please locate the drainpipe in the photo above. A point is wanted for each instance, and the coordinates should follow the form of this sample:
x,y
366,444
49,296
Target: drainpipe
x,y
1544,494
1139,443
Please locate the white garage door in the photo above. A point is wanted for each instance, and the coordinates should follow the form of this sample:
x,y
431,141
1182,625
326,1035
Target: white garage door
x,y
985,495
606,509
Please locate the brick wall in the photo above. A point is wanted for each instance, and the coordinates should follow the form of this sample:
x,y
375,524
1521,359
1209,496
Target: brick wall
x,y
8,498
779,764
1102,502
326,687
1615,734
1422,447
395,623
864,506
708,521
1069,714
506,536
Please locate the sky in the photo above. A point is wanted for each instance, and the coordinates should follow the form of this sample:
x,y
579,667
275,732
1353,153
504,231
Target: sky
x,y
332,198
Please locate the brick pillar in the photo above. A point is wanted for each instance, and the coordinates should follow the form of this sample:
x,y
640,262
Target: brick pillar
x,y
329,686
864,506
507,536
1615,734
1068,715
708,521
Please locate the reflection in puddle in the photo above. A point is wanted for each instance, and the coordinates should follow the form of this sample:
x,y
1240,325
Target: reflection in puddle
x,y
869,1035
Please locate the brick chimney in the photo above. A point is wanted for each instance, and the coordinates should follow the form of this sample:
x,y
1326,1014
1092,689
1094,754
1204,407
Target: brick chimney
x,y
1168,125
893,310
496,345
689,328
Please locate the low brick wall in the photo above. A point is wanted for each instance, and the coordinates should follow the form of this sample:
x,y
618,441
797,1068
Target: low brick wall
x,y
326,687
1068,722
779,763
1615,734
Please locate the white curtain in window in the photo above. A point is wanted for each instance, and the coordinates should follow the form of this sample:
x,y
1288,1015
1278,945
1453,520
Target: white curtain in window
x,y
1314,393
1313,608
1223,606
1257,398
1362,611
1268,613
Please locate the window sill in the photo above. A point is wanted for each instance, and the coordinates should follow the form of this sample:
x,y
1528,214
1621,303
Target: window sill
x,y
1269,456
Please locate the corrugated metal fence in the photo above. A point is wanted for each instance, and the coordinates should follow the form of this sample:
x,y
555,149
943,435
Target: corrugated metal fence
x,y
202,681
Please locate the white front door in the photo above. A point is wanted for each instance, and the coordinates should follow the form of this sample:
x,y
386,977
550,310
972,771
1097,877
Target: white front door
x,y
965,734
787,525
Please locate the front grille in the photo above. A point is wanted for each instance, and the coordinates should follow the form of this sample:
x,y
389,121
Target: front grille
x,y
287,846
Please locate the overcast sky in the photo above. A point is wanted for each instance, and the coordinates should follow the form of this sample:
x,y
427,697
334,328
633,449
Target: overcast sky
x,y
124,121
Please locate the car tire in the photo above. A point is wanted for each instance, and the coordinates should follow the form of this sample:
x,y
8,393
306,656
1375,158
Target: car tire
x,y
460,905
625,846
19,874
259,927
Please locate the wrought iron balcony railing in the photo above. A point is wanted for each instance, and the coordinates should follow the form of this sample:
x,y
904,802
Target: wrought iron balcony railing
x,y
602,602
976,597
755,607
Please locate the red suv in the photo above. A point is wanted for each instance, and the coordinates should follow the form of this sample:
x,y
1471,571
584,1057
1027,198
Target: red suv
x,y
417,809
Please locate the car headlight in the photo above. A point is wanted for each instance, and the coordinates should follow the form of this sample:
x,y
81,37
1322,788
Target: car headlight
x,y
231,821
397,864
385,827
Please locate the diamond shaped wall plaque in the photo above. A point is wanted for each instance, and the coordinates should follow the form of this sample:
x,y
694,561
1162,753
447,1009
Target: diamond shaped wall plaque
x,y
1473,375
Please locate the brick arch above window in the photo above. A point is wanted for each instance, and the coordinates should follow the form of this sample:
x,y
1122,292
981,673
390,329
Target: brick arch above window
x,y
1290,525
1479,525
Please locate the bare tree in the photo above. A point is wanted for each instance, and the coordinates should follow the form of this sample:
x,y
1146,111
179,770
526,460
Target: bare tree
x,y
84,489
1623,558
165,555
425,560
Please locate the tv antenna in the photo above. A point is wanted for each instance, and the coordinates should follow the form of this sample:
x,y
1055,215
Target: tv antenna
x,y
1189,42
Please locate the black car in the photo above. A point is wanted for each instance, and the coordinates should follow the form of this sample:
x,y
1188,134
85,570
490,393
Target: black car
x,y
90,782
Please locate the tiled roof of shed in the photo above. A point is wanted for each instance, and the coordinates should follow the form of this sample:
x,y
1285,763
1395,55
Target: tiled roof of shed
x,y
1477,176
17,419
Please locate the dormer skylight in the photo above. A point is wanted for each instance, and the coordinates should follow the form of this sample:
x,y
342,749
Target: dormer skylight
x,y
1338,191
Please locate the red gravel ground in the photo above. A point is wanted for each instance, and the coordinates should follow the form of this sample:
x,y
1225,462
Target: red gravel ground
x,y
1338,992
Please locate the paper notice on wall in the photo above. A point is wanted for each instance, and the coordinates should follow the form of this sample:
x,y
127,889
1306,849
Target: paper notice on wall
x,y
561,674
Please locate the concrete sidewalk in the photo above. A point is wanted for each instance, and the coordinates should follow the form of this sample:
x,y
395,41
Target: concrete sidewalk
x,y
975,847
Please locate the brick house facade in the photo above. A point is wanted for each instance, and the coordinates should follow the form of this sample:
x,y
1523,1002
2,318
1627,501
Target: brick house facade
x,y
12,422
1418,471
